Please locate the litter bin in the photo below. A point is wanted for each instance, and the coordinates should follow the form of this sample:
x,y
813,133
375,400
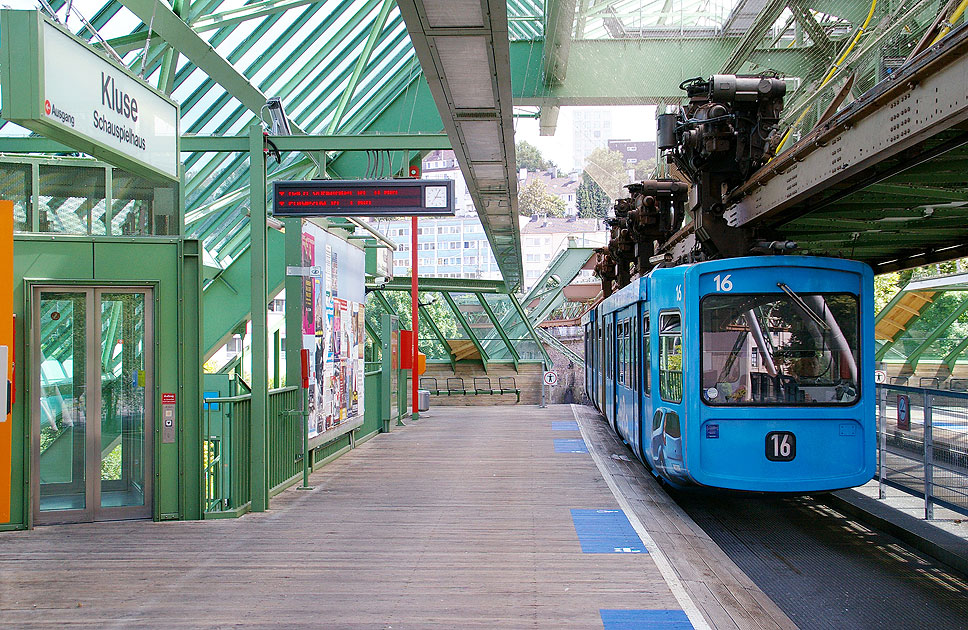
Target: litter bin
x,y
423,399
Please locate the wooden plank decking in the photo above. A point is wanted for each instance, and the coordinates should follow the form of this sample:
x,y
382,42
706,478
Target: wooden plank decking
x,y
461,520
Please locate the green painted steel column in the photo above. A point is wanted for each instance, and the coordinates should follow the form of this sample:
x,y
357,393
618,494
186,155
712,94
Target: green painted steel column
x,y
258,456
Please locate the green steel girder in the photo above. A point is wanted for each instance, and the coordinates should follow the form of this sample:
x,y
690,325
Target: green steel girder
x,y
426,317
531,330
374,335
915,355
444,285
466,327
769,14
375,29
181,37
882,351
500,331
553,341
598,69
325,142
951,357
226,304
248,12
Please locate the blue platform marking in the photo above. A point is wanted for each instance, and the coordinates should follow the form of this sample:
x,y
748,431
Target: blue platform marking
x,y
606,531
570,446
645,620
564,425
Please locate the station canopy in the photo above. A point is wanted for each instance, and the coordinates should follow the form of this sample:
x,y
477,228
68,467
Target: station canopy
x,y
350,68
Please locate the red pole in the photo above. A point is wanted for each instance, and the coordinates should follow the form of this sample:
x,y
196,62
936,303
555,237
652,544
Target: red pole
x,y
414,303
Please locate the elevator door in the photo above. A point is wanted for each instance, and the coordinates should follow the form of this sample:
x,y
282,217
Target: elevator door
x,y
92,404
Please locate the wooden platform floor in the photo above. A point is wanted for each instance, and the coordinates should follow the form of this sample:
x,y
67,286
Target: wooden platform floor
x,y
462,520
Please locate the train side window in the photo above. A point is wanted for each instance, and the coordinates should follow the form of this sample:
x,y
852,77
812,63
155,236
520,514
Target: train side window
x,y
621,352
633,355
646,355
670,356
656,421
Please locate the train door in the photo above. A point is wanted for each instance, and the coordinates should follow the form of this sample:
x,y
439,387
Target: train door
x,y
608,408
621,376
600,366
635,433
644,381
666,439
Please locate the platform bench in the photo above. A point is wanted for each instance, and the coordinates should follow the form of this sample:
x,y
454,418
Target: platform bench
x,y
507,386
429,383
455,386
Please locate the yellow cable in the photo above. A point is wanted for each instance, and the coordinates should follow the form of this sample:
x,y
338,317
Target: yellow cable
x,y
954,18
836,66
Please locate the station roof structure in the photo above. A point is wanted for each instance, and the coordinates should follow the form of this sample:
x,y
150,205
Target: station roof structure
x,y
366,69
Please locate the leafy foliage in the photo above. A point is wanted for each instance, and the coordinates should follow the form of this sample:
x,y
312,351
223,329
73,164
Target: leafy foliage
x,y
529,157
591,199
535,199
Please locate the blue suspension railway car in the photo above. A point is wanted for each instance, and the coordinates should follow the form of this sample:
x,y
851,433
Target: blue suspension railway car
x,y
752,374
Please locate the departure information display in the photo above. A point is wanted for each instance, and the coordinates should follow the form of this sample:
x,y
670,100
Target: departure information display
x,y
363,198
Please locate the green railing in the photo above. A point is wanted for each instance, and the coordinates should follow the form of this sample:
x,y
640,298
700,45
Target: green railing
x,y
227,445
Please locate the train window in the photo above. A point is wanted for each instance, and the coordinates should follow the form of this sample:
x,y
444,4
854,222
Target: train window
x,y
780,349
656,421
646,354
670,356
633,354
621,352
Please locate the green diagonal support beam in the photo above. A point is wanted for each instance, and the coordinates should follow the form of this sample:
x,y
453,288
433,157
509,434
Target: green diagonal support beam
x,y
429,320
883,350
500,331
375,29
182,38
534,335
242,14
915,355
467,327
952,356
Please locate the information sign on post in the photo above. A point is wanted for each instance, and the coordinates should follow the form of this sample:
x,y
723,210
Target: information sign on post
x,y
61,87
903,412
363,198
551,378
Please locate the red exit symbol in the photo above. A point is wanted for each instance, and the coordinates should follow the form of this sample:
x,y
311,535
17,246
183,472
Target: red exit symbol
x,y
47,107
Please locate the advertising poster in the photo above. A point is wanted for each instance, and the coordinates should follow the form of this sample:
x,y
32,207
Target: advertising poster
x,y
308,260
334,330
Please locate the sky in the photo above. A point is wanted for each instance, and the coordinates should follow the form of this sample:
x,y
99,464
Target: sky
x,y
632,122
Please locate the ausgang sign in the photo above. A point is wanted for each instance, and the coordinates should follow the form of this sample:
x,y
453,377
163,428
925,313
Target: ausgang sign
x,y
59,86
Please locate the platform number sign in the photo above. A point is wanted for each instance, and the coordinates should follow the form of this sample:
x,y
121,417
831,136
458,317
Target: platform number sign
x,y
781,446
903,412
550,378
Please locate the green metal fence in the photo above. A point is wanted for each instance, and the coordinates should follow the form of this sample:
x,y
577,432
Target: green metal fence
x,y
227,447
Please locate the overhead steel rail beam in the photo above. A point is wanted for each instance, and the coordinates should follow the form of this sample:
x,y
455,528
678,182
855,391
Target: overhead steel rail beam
x,y
558,26
464,56
237,144
909,131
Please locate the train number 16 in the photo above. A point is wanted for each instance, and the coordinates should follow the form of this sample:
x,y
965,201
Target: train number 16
x,y
723,283
781,446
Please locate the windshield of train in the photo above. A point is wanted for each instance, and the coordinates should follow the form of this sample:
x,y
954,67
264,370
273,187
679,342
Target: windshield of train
x,y
780,349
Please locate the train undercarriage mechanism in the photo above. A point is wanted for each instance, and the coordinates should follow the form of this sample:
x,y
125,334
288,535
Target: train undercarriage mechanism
x,y
726,131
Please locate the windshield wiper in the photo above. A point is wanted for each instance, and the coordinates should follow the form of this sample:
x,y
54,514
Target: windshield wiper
x,y
799,302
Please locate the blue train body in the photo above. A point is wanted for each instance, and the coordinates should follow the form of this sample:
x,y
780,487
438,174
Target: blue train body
x,y
752,374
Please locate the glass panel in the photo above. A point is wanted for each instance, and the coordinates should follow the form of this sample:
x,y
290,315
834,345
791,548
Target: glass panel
x,y
15,185
807,349
70,197
63,400
122,399
141,207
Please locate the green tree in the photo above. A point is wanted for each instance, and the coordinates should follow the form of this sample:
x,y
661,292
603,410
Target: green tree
x,y
591,200
529,157
607,169
535,199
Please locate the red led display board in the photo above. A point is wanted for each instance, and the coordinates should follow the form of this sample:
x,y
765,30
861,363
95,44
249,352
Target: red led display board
x,y
363,198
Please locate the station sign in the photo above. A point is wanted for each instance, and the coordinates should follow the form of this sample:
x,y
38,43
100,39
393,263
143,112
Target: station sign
x,y
903,412
363,198
61,87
